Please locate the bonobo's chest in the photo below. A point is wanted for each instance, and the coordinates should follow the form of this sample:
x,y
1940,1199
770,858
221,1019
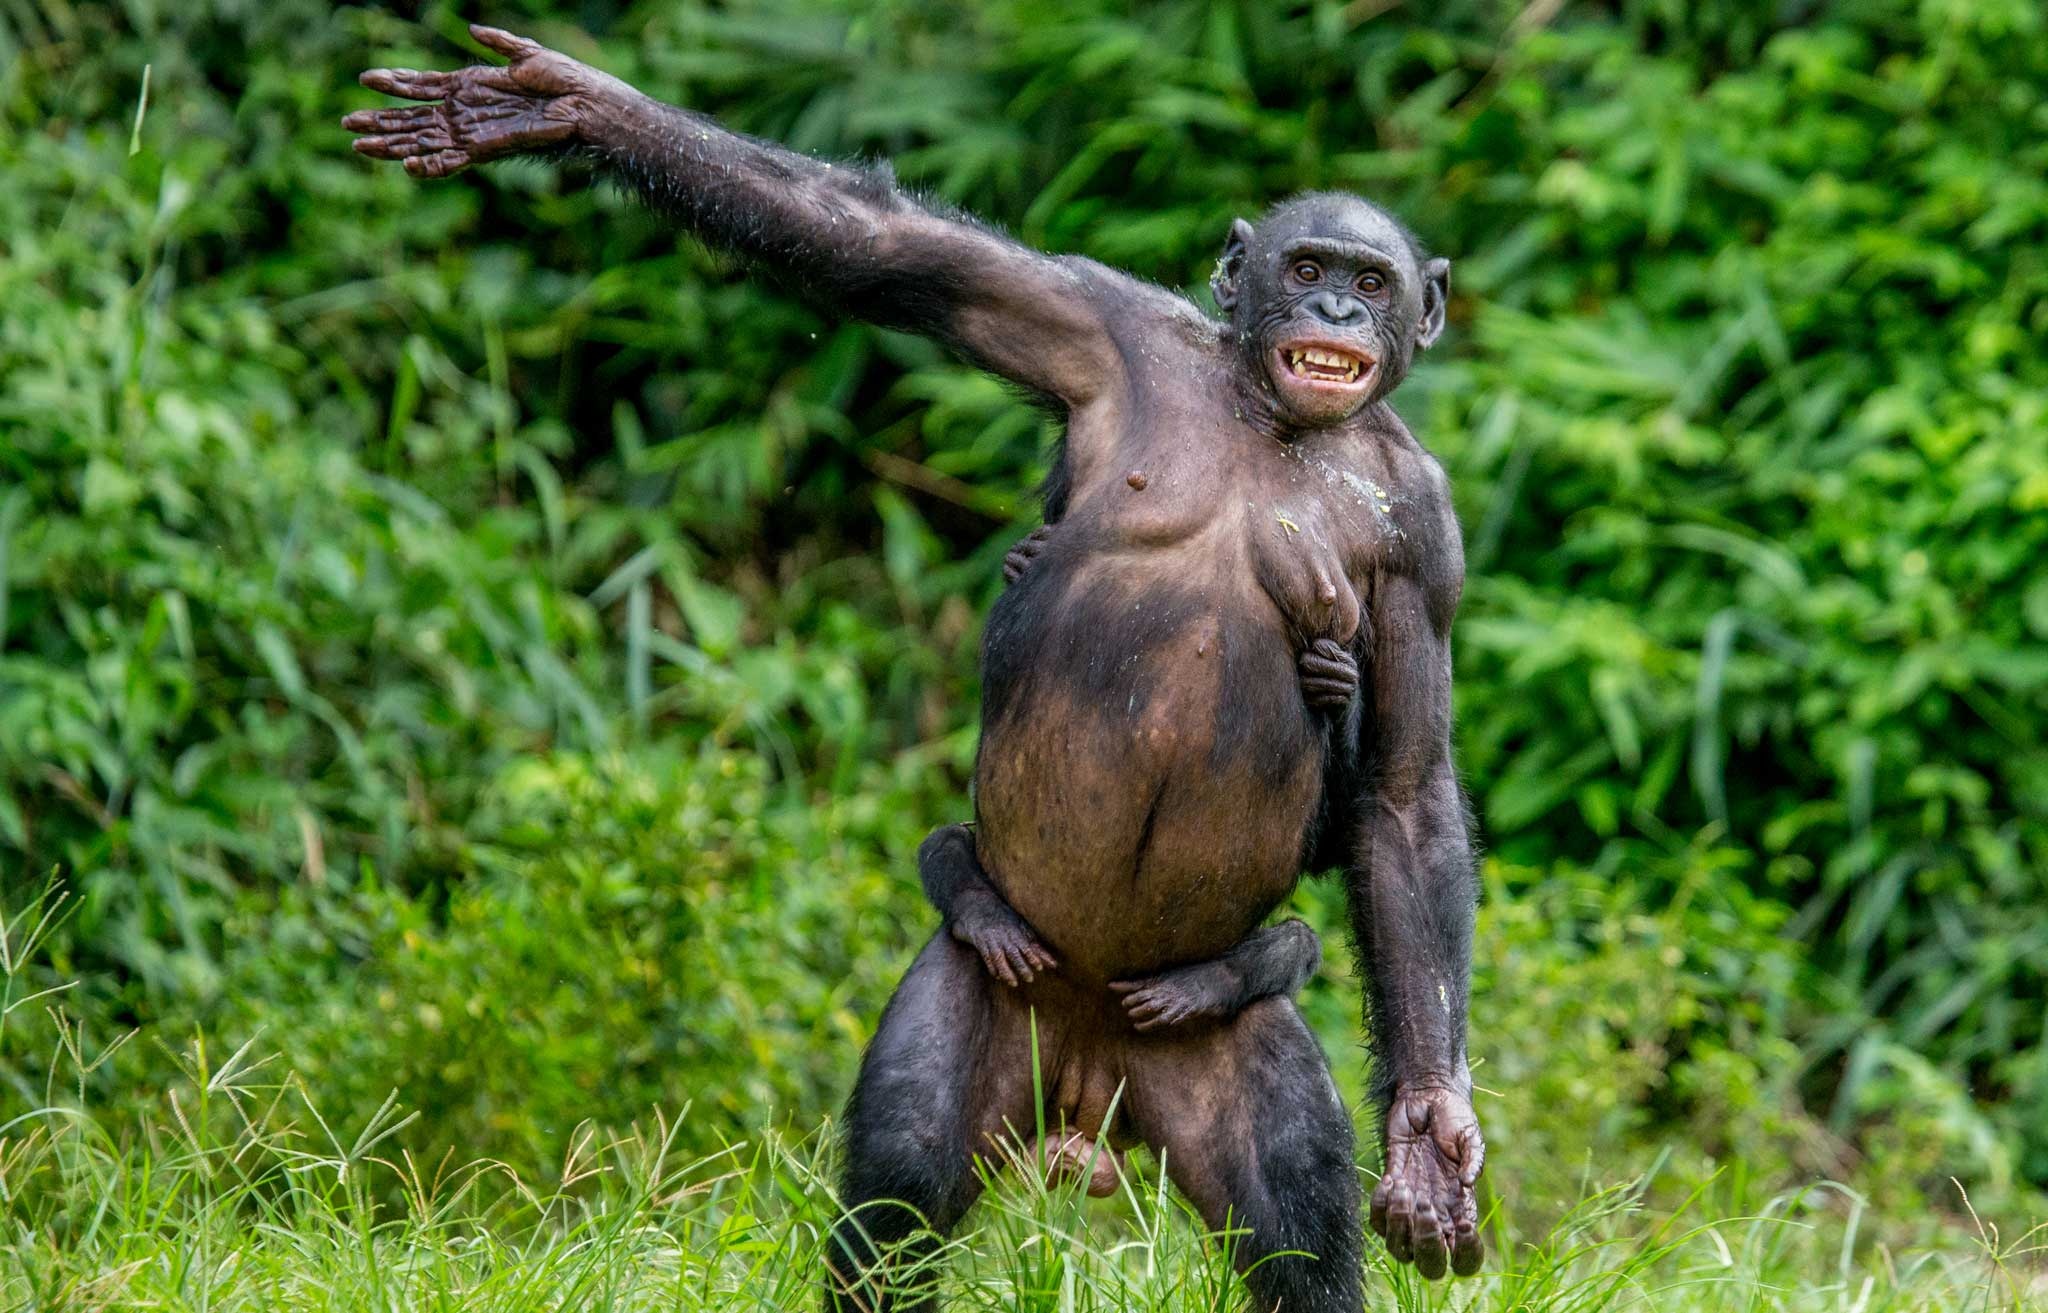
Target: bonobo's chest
x,y
1304,522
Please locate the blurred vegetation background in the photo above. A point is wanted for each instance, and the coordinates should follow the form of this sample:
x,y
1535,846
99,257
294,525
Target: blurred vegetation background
x,y
478,643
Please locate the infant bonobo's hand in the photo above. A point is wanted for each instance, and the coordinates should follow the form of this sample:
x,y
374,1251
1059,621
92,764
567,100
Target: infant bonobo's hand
x,y
1008,948
482,113
1025,552
1177,998
1329,675
1424,1207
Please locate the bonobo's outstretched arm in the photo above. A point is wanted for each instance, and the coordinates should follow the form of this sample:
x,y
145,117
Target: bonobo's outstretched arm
x,y
842,234
1413,893
1276,960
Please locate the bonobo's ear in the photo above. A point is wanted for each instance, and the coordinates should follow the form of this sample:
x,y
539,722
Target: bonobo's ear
x,y
1223,283
1436,289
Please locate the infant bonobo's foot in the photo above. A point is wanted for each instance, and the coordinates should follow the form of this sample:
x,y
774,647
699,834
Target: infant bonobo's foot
x,y
1025,552
1329,675
1425,1208
1203,992
1008,948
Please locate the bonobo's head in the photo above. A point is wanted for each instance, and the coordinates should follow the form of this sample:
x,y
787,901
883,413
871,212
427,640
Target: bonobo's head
x,y
1330,299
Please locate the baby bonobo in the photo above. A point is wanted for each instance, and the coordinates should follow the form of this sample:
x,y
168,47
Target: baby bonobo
x,y
1151,778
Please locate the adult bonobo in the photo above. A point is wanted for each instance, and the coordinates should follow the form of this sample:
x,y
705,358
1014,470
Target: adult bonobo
x,y
1151,778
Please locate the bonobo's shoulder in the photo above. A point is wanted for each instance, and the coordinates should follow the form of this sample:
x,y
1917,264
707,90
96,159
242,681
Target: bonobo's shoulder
x,y
1142,304
1436,555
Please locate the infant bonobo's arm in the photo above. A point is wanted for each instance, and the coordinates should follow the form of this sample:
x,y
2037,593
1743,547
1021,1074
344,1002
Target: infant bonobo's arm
x,y
842,234
1276,960
1329,672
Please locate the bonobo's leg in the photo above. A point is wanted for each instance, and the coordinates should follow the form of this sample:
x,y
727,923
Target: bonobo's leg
x,y
1254,1133
932,1089
1275,961
975,913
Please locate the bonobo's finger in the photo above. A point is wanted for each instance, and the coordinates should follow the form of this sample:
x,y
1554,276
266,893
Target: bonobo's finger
x,y
1324,693
1324,668
1466,1251
1377,1216
438,165
992,958
1041,956
403,118
1400,1222
1431,1256
1020,968
410,83
405,145
505,43
396,147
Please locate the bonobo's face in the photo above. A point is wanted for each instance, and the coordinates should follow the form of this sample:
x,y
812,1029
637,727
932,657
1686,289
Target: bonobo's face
x,y
1330,302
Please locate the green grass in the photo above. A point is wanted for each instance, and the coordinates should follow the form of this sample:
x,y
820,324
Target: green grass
x,y
238,1194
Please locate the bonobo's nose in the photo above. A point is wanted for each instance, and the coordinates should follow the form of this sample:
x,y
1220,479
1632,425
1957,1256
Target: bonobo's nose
x,y
1335,307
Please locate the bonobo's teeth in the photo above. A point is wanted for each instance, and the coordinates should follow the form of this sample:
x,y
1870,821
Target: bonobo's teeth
x,y
1319,364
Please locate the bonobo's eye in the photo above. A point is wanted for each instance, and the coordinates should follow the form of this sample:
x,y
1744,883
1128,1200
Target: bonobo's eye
x,y
1307,271
1371,283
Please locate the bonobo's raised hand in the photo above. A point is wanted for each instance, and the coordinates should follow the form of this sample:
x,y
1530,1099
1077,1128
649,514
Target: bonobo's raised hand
x,y
541,99
1424,1207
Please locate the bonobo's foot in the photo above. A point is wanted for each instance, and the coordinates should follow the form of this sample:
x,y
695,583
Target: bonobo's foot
x,y
1329,675
1181,997
541,99
1025,552
1424,1207
1008,948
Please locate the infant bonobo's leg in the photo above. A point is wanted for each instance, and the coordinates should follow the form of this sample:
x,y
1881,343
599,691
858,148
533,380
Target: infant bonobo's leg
x,y
975,913
1275,961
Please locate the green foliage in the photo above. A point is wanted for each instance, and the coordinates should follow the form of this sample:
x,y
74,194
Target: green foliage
x,y
501,651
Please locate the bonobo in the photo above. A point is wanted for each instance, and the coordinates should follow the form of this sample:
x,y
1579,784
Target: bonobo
x,y
1151,779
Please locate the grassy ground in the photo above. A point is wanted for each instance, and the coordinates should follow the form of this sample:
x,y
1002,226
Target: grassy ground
x,y
240,1195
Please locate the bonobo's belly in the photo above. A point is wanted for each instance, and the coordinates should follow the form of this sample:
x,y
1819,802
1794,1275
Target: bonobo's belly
x,y
1147,768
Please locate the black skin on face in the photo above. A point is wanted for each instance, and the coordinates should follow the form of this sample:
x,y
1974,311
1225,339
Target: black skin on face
x,y
1150,779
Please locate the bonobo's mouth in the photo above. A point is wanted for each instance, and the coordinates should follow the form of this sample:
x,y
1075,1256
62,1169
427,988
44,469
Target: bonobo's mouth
x,y
1325,367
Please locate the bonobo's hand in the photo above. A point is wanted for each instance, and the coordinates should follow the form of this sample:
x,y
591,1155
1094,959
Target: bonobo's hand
x,y
1424,1207
483,113
1329,675
1025,552
1202,992
1008,948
